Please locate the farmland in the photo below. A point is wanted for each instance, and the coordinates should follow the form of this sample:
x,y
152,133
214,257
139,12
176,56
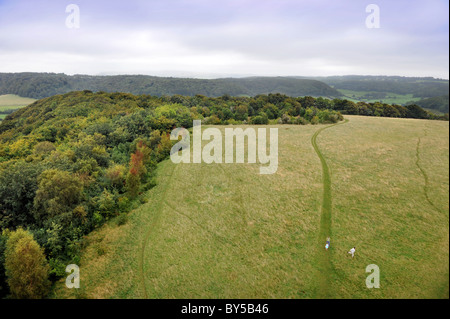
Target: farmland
x,y
9,102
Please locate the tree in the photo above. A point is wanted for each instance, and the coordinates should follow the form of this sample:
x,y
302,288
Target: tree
x,y
137,169
58,192
416,112
26,267
18,185
241,112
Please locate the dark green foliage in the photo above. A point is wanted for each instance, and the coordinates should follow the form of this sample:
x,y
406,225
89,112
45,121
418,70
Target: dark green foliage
x,y
18,185
57,195
419,87
416,112
437,103
41,85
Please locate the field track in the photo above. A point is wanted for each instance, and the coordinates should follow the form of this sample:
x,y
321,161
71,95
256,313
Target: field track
x,y
323,256
153,224
425,177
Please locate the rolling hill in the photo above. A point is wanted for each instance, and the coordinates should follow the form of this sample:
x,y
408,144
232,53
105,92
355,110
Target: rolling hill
x,y
437,103
41,85
392,90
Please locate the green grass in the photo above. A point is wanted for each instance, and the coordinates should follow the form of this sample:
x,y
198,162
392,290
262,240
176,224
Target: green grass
x,y
225,231
13,102
325,220
391,98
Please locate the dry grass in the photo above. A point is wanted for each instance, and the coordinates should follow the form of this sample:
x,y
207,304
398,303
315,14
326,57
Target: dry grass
x,y
225,231
10,101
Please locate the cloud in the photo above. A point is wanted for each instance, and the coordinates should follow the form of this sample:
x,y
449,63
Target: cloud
x,y
223,38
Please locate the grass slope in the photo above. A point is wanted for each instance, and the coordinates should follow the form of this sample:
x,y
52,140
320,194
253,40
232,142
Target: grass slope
x,y
224,231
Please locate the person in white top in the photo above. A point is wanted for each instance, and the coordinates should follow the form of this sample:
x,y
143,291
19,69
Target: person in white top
x,y
352,251
327,245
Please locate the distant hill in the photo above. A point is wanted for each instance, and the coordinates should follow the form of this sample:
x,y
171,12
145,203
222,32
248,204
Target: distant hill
x,y
391,89
438,103
420,87
41,85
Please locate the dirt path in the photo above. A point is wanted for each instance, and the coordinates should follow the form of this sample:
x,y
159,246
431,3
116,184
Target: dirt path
x,y
323,256
425,177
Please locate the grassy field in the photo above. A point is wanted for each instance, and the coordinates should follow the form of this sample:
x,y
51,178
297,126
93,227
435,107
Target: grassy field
x,y
13,102
391,98
225,231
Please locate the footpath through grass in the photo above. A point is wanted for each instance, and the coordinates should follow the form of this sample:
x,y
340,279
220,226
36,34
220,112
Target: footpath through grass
x,y
225,231
325,230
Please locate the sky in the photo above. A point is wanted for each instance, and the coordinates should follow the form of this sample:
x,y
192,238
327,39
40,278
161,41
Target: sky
x,y
226,38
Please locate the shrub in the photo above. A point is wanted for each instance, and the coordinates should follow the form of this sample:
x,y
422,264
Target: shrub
x,y
26,267
301,121
122,219
58,193
123,203
133,183
57,268
285,119
260,119
43,148
106,203
97,219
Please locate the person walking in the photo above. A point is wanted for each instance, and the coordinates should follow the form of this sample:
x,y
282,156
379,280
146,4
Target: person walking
x,y
327,245
352,252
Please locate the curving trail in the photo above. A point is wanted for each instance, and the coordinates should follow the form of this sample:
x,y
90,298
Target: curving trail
x,y
426,185
324,262
154,222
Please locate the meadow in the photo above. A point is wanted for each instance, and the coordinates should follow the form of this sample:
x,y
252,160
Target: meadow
x,y
12,102
225,231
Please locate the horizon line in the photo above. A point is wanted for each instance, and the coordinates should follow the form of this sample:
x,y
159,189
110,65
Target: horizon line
x,y
225,76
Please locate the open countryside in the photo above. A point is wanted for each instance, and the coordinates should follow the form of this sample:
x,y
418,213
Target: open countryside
x,y
224,231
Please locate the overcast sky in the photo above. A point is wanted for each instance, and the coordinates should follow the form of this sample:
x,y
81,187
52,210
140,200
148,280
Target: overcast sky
x,y
209,39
